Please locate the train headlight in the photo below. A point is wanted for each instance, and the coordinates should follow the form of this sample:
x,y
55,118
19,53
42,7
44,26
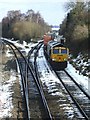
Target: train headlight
x,y
65,59
53,59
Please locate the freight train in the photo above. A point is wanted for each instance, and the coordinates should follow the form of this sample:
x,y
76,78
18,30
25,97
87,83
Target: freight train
x,y
56,52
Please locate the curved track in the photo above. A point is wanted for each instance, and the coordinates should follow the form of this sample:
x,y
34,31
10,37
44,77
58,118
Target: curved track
x,y
28,76
37,81
35,102
23,75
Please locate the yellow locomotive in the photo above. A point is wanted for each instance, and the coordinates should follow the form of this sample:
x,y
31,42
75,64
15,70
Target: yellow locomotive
x,y
57,54
55,51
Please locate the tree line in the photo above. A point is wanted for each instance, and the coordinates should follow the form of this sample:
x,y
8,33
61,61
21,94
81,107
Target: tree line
x,y
30,25
76,27
24,26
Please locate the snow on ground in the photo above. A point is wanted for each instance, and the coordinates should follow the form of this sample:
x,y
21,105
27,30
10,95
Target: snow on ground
x,y
43,66
79,68
5,96
49,79
81,63
24,47
81,79
5,87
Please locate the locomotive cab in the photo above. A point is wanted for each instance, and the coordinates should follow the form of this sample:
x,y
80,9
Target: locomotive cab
x,y
58,54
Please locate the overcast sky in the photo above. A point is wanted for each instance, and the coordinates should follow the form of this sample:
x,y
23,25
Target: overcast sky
x,y
52,11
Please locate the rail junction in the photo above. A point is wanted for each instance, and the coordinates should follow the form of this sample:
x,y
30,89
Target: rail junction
x,y
39,102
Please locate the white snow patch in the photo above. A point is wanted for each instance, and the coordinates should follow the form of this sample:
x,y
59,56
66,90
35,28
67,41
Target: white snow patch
x,y
83,80
49,78
6,96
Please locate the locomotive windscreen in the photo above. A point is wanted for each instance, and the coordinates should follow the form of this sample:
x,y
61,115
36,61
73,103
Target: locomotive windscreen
x,y
55,51
64,51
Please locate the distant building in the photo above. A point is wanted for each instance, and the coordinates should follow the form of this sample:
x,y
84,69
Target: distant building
x,y
55,29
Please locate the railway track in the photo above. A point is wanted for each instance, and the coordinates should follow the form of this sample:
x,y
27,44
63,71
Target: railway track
x,y
58,102
46,111
35,103
78,95
19,55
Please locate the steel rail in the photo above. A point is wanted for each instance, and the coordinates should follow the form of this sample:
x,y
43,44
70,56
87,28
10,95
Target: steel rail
x,y
24,81
79,107
33,75
42,93
78,85
38,82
